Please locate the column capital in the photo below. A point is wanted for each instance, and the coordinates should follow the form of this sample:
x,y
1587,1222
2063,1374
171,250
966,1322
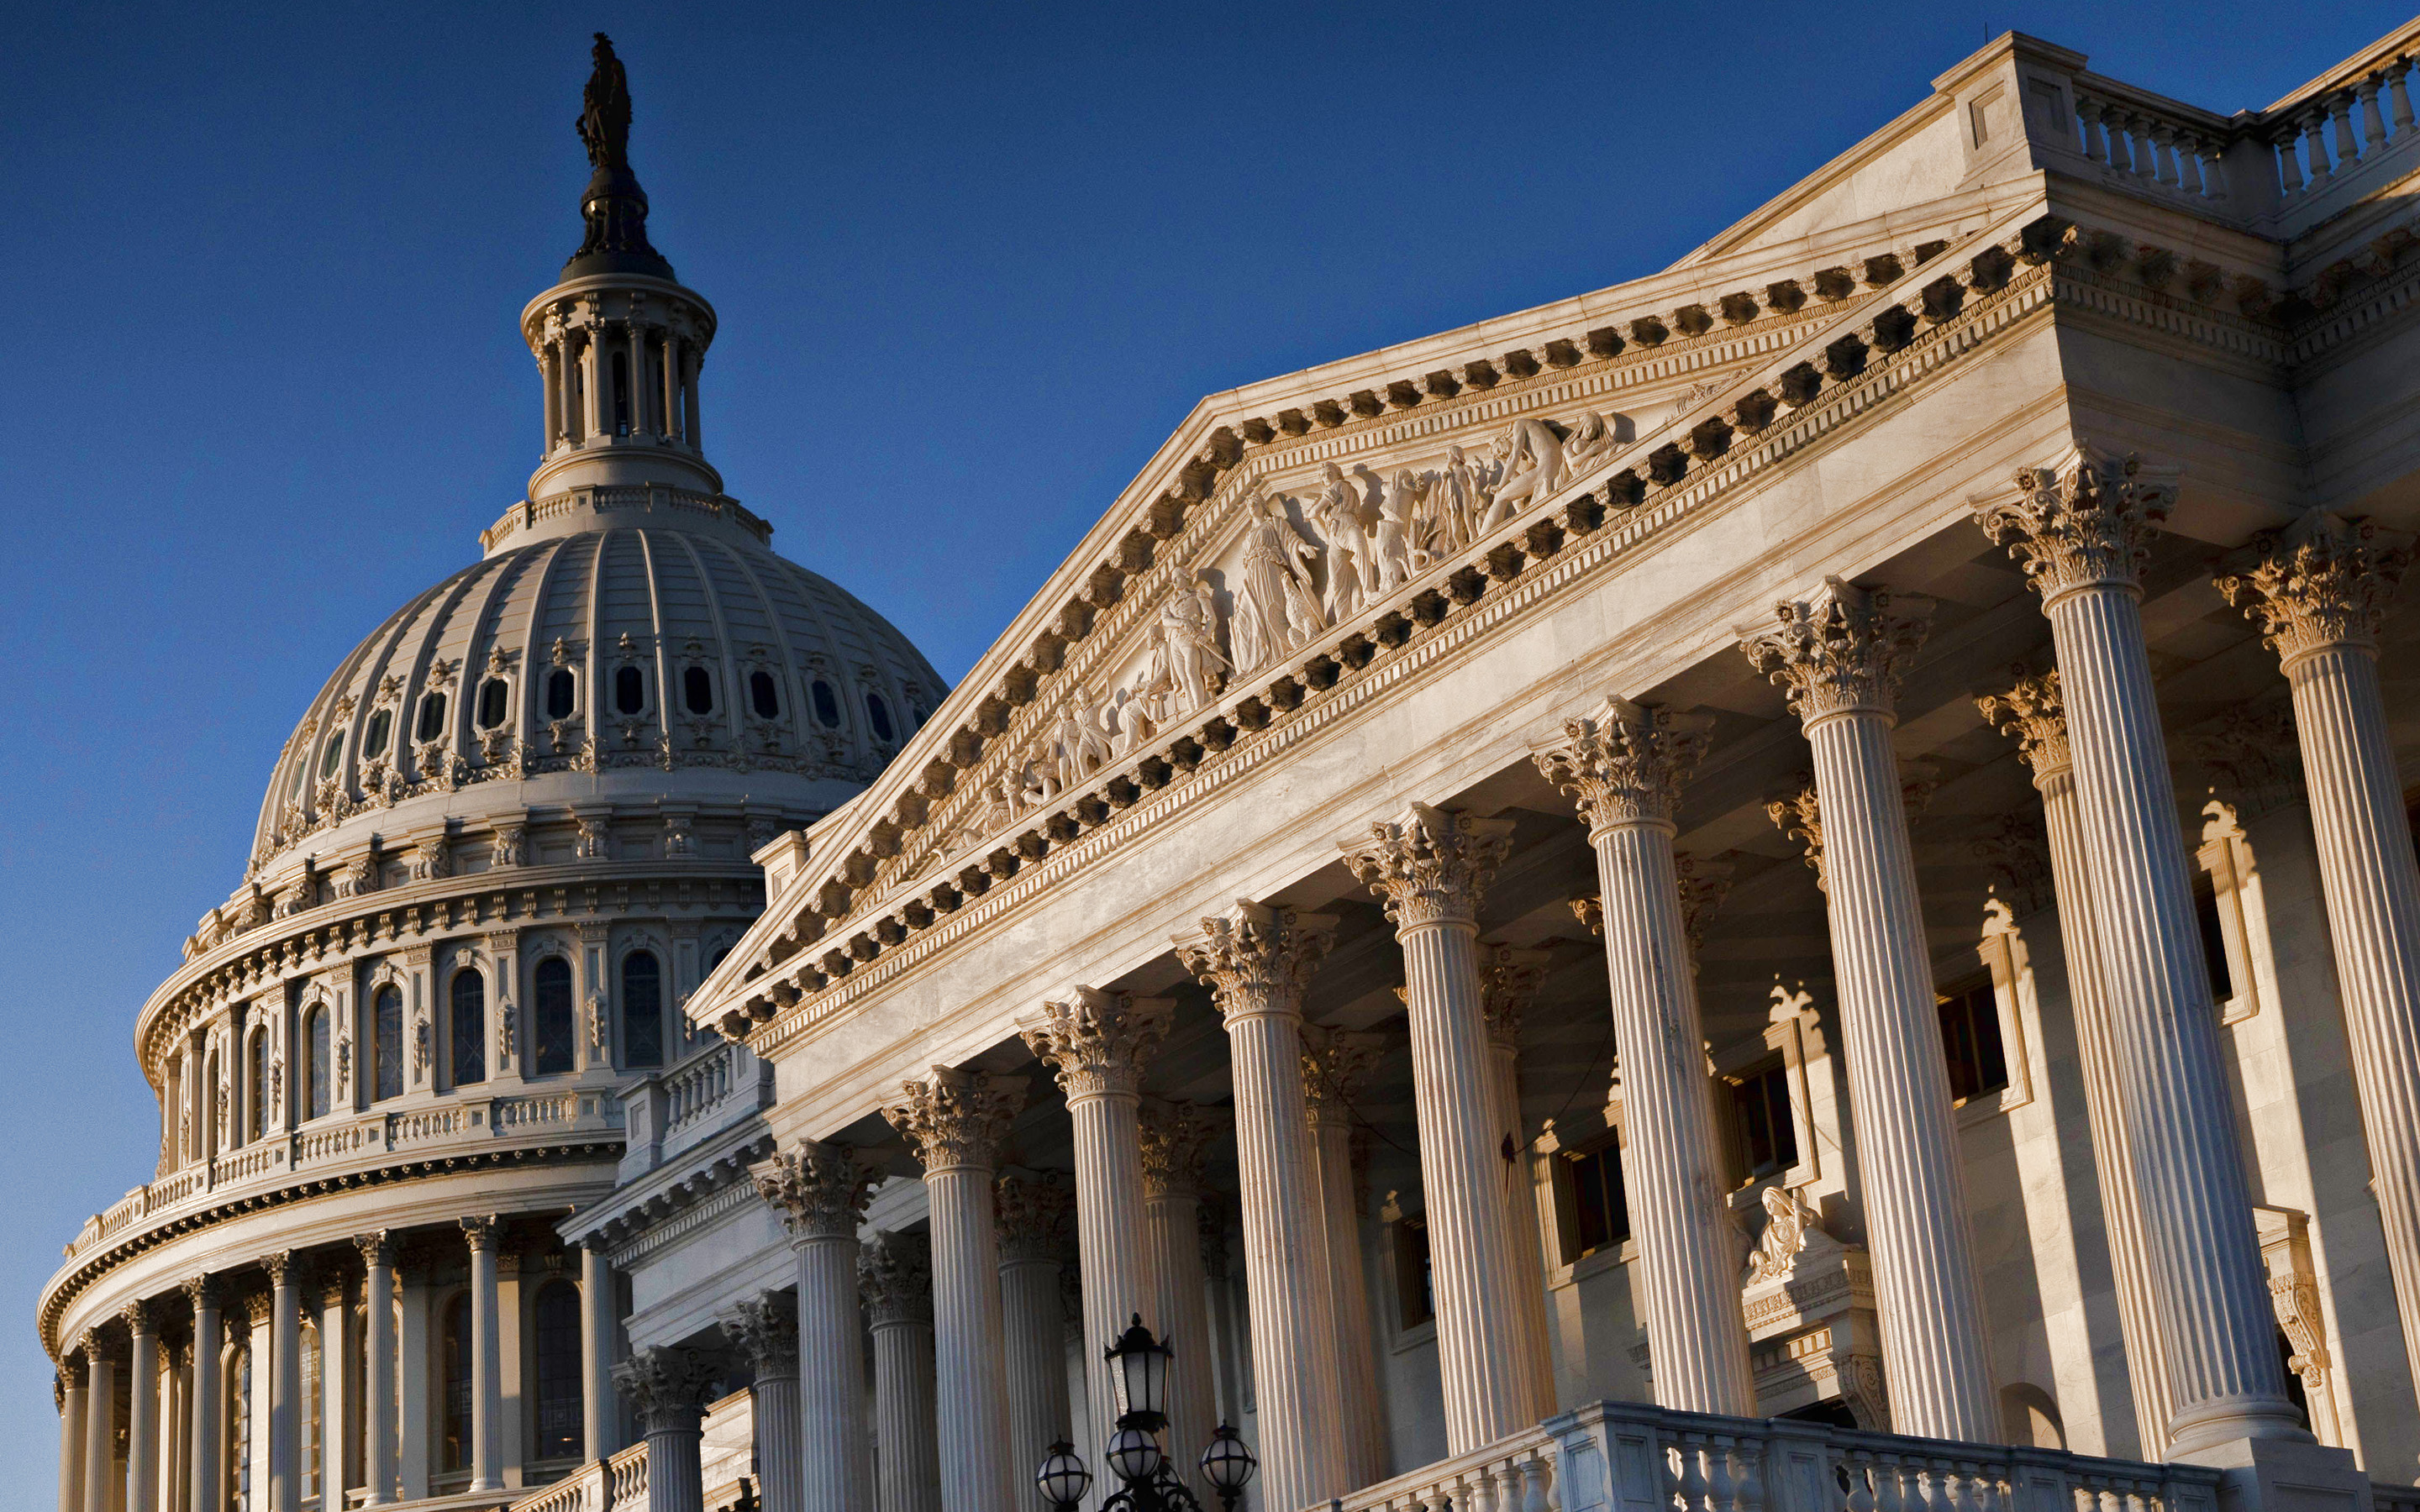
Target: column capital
x,y
956,1119
1430,866
1626,764
1335,1067
377,1249
2321,582
1840,651
1175,1146
280,1268
2029,711
1703,885
765,1328
1508,979
258,1305
1800,816
73,1371
2082,521
479,1231
820,1190
894,1273
666,1386
202,1291
140,1317
1256,959
1034,1214
1097,1041
97,1347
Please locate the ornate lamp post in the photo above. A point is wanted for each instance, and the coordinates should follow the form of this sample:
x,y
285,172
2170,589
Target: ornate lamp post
x,y
1134,1456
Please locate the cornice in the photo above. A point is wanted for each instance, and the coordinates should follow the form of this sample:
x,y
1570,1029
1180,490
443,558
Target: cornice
x,y
699,1200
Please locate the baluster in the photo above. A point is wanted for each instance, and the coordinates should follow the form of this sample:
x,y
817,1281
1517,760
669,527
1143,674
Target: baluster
x,y
2164,170
2289,166
1693,1479
2087,116
1544,1496
1856,1482
2398,90
2340,112
2315,146
2121,144
2373,125
1721,1489
1750,1497
2146,151
1890,1492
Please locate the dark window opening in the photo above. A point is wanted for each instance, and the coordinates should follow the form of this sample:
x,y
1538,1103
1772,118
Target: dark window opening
x,y
316,1036
761,696
1415,1293
1768,1135
1600,1208
458,1384
433,716
1970,1038
386,1014
917,715
557,1351
878,714
2213,942
551,1020
2294,1392
827,704
560,691
469,1028
493,699
331,757
374,743
257,1092
629,690
643,1011
697,690
621,394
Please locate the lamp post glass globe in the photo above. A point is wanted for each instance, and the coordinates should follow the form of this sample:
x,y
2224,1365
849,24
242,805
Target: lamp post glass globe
x,y
1134,1456
1063,1478
1141,1377
1228,1463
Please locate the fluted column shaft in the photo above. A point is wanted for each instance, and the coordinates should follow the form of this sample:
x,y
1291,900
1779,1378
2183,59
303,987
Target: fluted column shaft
x,y
596,1308
1097,1044
487,1381
957,1120
664,1385
1508,979
73,1411
100,1428
2080,529
2320,589
896,1277
1175,1140
821,1193
378,1366
1256,961
207,1335
284,1386
1430,868
1627,766
1332,1076
143,1411
1036,1216
1839,657
764,1332
2030,711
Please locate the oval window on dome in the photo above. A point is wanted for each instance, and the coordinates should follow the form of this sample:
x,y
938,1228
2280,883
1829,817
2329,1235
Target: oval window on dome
x,y
763,697
492,700
334,753
827,704
918,713
560,693
629,690
374,742
697,690
433,716
878,714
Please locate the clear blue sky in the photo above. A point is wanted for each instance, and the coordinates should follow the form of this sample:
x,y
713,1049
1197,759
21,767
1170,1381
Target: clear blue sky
x,y
261,379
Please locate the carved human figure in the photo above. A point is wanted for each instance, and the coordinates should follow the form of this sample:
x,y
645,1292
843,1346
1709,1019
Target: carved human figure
x,y
1534,468
1453,502
1394,553
1339,512
1592,442
1274,551
1188,620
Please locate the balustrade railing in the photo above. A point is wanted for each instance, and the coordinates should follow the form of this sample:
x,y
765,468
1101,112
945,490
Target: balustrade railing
x,y
2340,127
699,1086
582,1490
2154,148
1516,1475
626,1475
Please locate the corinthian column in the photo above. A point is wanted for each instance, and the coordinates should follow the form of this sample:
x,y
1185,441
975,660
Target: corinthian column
x,y
1839,657
2080,529
1036,1215
2318,590
141,1408
1625,768
895,1275
821,1191
956,1121
2029,711
1430,868
202,1291
486,1379
71,1425
1256,962
1175,1139
765,1330
1332,1075
666,1386
1508,981
1098,1042
378,1366
285,1383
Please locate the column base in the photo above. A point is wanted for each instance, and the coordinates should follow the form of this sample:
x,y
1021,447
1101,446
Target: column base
x,y
2283,1476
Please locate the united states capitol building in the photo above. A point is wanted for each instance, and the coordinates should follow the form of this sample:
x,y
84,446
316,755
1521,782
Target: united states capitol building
x,y
1785,887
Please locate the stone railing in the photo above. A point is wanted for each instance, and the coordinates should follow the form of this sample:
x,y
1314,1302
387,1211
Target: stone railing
x,y
2339,132
625,1477
366,1139
690,1102
638,498
2152,144
615,1485
1516,1475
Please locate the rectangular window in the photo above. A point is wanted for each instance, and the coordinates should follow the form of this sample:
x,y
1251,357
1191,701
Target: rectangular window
x,y
1970,1041
1600,1209
2213,942
1768,1135
1414,1291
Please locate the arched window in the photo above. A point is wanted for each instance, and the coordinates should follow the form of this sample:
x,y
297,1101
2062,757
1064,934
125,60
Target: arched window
x,y
697,690
827,704
556,1331
315,1035
333,757
878,714
374,740
763,697
386,1013
621,394
629,690
312,1397
433,716
457,1385
551,1015
643,1011
210,1121
237,1458
561,691
493,697
470,1027
256,1090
